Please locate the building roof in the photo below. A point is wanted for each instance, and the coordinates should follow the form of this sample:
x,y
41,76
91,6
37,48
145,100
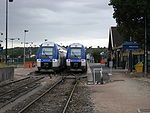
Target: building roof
x,y
115,39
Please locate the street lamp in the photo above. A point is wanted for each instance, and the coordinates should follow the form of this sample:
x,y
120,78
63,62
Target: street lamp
x,y
7,27
12,39
45,40
1,33
24,58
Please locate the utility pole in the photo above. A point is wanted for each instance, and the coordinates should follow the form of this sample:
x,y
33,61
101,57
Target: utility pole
x,y
145,50
24,53
7,28
130,58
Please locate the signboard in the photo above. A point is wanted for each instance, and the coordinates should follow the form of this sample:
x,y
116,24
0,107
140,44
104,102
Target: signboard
x,y
1,48
131,45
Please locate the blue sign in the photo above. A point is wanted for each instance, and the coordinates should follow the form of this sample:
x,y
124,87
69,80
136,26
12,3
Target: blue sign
x,y
1,48
131,45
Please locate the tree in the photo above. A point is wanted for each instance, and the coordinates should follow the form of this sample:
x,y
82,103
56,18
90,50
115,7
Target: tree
x,y
130,17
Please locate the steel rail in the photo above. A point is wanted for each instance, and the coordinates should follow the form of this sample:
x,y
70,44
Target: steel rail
x,y
20,87
39,97
68,101
15,81
13,99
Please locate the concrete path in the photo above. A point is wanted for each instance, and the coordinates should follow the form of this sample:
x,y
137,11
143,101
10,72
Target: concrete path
x,y
121,95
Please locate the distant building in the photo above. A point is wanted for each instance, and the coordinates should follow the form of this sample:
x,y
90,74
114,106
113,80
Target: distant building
x,y
115,47
115,39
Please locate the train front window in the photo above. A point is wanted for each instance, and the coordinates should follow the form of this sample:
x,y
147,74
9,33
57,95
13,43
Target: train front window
x,y
47,52
76,53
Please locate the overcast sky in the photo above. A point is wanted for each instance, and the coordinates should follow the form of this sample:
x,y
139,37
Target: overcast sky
x,y
60,21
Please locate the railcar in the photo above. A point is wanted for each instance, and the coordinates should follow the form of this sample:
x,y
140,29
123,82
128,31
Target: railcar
x,y
76,58
51,57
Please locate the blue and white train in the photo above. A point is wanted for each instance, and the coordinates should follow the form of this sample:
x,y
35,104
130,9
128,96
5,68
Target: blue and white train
x,y
51,57
76,58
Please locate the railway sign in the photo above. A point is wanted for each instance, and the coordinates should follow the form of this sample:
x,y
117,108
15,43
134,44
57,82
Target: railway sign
x,y
130,45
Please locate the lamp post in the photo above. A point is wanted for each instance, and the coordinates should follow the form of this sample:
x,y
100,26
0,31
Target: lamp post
x,y
7,27
145,38
24,55
145,44
12,39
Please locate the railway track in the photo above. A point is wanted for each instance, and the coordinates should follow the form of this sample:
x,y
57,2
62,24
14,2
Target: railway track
x,y
12,82
16,85
55,99
14,90
68,101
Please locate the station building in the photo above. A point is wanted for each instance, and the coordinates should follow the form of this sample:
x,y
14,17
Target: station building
x,y
120,56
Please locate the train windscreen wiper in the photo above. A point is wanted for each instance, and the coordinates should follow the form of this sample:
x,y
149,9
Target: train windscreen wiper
x,y
75,55
45,54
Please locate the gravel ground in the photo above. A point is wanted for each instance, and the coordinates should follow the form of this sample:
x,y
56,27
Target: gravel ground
x,y
45,83
80,102
11,92
16,84
122,95
54,101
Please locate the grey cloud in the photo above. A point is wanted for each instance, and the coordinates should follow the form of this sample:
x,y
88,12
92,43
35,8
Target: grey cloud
x,y
58,19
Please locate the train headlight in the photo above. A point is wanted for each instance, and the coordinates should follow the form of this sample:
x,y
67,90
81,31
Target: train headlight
x,y
68,62
83,62
38,62
55,63
54,60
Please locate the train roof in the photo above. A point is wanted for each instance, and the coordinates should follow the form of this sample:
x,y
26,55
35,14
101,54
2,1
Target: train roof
x,y
76,45
52,44
48,44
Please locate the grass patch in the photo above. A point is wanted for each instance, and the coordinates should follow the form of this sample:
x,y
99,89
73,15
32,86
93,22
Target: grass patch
x,y
3,65
78,81
67,93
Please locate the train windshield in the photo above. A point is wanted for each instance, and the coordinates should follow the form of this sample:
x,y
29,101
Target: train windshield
x,y
76,53
47,52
